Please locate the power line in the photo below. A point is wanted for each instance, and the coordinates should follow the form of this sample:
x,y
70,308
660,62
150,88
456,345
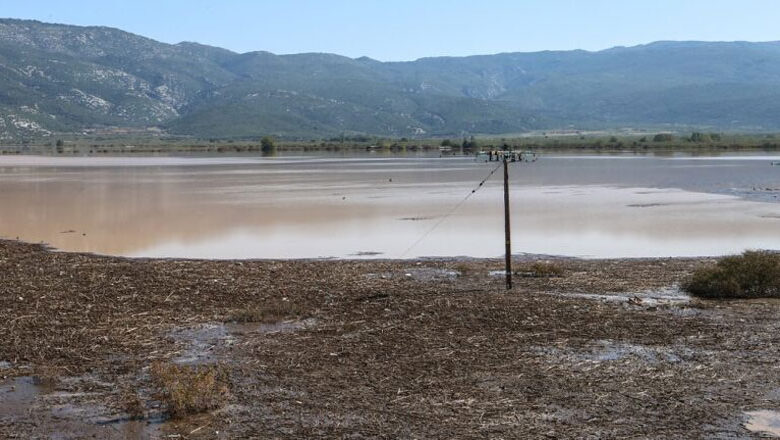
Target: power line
x,y
451,211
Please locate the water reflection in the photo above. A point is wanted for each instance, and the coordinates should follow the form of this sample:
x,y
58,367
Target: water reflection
x,y
368,207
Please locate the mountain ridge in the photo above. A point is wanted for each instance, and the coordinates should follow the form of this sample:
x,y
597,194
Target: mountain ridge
x,y
68,79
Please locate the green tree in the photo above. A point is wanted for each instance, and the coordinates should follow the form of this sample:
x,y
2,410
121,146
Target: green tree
x,y
267,144
470,143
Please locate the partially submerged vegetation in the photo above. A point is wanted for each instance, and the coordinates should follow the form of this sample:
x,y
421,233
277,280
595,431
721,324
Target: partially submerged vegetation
x,y
189,389
754,274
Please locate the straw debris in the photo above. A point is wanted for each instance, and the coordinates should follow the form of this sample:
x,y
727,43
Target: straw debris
x,y
596,353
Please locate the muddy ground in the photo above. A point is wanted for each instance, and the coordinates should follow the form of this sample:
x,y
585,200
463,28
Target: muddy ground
x,y
380,349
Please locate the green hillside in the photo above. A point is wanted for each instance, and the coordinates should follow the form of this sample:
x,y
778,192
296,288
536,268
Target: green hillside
x,y
62,79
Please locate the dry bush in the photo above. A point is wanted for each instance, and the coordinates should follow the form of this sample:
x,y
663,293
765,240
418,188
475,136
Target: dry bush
x,y
754,274
133,404
269,313
188,389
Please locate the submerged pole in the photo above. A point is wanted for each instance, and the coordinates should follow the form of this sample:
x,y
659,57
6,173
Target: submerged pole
x,y
507,239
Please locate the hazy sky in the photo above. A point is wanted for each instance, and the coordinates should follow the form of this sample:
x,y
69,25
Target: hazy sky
x,y
410,29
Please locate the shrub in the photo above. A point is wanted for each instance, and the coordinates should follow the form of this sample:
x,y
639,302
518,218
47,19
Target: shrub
x,y
267,144
663,137
754,274
188,389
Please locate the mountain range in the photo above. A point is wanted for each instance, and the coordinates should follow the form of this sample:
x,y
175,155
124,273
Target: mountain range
x,y
58,79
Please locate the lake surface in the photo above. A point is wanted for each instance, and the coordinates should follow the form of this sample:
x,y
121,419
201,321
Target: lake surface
x,y
375,206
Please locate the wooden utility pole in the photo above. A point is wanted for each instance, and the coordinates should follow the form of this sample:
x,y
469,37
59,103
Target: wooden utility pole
x,y
507,239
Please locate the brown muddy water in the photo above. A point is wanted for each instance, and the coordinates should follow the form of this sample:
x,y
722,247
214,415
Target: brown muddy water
x,y
374,206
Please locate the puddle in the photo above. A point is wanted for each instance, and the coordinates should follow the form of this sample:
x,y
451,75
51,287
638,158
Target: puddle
x,y
610,351
102,418
18,395
764,421
138,429
417,274
61,416
203,342
607,350
430,274
773,394
657,297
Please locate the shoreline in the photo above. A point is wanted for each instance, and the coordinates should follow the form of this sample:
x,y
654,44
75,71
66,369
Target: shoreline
x,y
521,257
395,348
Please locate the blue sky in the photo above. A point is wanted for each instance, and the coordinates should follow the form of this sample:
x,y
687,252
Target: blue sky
x,y
408,29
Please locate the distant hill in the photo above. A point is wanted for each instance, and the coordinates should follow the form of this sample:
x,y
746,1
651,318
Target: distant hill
x,y
60,79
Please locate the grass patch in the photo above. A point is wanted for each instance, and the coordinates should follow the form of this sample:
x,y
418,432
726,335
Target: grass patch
x,y
754,274
268,313
186,390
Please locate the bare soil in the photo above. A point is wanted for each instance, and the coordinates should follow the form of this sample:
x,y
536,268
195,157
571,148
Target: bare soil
x,y
379,349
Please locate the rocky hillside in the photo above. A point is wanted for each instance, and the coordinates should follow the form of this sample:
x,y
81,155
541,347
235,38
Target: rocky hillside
x,y
59,79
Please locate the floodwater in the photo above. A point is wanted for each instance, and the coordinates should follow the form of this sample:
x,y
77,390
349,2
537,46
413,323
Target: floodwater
x,y
391,206
61,415
765,422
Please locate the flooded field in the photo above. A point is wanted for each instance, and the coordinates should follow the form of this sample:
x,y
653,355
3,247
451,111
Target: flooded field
x,y
374,206
427,348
